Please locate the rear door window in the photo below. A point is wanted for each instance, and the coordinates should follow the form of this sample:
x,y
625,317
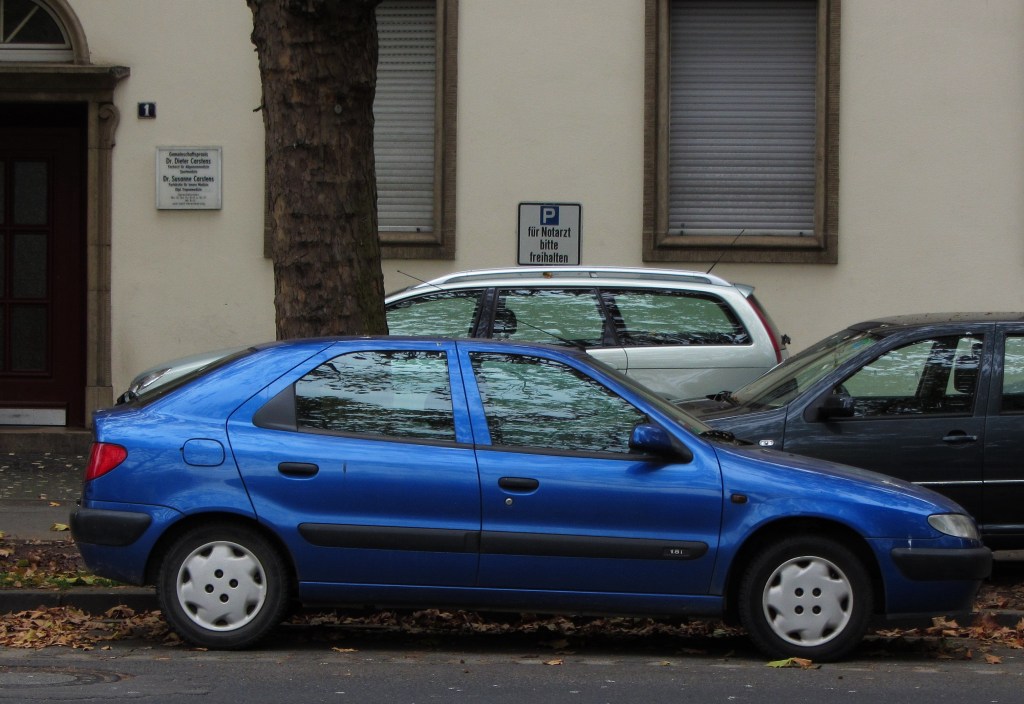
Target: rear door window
x,y
401,394
442,313
652,317
555,316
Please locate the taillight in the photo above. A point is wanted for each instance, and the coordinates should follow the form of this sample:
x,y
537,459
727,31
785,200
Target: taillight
x,y
773,332
104,457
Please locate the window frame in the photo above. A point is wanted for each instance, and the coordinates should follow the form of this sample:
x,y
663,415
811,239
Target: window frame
x,y
658,244
46,52
438,243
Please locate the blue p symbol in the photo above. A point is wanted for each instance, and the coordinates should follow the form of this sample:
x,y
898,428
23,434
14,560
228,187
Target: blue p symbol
x,y
549,215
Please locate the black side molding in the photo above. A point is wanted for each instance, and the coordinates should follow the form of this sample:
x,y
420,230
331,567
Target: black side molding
x,y
330,535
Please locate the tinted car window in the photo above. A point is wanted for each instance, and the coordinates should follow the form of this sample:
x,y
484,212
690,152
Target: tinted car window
x,y
927,376
1013,374
650,317
534,402
443,313
397,394
555,316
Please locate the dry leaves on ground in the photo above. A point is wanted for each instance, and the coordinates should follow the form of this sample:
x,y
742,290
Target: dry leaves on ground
x,y
68,627
56,564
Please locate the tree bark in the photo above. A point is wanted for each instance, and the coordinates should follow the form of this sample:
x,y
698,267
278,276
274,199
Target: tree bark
x,y
318,65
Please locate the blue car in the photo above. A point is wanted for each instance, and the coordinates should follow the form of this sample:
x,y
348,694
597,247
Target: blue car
x,y
479,474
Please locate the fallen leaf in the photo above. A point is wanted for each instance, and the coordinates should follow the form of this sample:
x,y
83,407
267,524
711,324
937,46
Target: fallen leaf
x,y
554,662
60,527
795,662
993,660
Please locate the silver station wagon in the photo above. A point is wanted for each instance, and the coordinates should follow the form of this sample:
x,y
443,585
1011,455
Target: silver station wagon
x,y
681,333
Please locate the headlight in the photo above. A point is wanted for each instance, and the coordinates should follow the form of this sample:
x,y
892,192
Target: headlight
x,y
956,524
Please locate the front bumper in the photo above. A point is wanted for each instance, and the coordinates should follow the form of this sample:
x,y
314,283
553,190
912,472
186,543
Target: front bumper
x,y
932,579
943,564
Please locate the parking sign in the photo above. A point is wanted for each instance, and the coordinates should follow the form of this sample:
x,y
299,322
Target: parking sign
x,y
549,234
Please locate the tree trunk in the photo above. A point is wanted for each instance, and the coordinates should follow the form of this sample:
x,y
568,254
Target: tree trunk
x,y
318,64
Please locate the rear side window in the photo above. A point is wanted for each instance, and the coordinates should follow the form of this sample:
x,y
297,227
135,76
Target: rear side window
x,y
443,313
403,395
651,317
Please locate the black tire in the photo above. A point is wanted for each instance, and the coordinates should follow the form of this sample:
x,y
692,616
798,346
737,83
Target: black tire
x,y
806,597
223,586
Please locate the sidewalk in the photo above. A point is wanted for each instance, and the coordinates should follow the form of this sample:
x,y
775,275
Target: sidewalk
x,y
38,491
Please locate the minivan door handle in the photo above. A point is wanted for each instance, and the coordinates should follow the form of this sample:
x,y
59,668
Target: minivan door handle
x,y
959,437
518,483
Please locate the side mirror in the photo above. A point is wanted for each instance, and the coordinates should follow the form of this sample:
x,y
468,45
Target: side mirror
x,y
836,405
651,439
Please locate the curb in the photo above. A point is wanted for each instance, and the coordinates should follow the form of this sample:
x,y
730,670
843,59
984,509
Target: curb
x,y
99,600
90,600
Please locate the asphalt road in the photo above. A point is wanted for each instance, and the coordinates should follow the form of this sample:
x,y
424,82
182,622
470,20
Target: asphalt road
x,y
307,665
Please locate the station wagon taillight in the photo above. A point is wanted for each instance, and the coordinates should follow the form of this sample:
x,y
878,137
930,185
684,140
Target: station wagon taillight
x,y
778,341
104,457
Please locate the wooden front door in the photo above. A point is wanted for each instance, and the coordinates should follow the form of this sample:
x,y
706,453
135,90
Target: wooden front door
x,y
42,276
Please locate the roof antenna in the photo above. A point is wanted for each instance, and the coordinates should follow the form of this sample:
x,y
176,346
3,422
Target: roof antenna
x,y
722,254
416,278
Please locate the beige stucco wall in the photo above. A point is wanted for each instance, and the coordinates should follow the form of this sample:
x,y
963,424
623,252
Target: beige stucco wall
x,y
932,152
183,281
550,107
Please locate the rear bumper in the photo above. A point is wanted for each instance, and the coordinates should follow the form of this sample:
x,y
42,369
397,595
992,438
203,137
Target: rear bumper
x,y
104,527
937,564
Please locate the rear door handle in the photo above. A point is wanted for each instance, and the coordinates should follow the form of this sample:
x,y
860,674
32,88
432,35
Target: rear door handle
x,y
518,483
958,437
298,469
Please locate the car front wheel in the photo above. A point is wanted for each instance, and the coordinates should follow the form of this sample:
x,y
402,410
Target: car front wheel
x,y
806,597
223,586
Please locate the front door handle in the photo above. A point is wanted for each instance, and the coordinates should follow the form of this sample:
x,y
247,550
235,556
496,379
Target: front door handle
x,y
298,469
518,483
959,437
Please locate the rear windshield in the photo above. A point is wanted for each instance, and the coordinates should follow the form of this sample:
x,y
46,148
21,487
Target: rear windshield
x,y
164,389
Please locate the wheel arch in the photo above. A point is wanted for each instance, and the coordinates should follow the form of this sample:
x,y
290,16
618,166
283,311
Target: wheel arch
x,y
789,527
226,519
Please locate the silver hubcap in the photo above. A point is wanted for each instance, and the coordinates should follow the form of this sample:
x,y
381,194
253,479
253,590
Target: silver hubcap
x,y
808,601
221,586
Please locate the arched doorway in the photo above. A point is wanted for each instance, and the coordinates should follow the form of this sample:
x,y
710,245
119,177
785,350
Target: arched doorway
x,y
57,121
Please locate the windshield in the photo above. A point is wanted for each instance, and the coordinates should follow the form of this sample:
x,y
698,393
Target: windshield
x,y
782,384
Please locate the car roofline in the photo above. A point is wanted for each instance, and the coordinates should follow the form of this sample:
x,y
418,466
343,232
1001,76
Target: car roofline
x,y
889,325
632,274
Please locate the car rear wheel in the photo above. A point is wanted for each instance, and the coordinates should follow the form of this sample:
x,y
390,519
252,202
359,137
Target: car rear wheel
x,y
223,586
806,597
